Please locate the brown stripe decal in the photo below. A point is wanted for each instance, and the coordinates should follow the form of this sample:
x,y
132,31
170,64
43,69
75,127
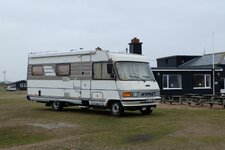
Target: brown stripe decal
x,y
78,71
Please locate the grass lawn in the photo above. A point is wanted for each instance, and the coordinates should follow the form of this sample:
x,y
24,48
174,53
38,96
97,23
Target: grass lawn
x,y
30,125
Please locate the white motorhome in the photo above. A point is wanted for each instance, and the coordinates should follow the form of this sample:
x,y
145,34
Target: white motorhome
x,y
98,79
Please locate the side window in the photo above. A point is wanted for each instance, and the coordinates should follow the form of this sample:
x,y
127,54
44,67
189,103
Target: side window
x,y
100,71
172,81
97,71
63,69
201,81
37,70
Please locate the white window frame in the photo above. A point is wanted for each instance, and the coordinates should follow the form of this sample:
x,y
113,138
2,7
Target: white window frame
x,y
23,85
205,77
167,80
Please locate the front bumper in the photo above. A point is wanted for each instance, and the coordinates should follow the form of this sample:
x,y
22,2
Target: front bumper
x,y
140,102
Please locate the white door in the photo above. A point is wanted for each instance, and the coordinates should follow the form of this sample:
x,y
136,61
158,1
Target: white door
x,y
86,77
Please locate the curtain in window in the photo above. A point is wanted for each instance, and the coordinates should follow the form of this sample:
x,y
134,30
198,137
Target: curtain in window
x,y
37,70
63,69
97,71
100,71
134,71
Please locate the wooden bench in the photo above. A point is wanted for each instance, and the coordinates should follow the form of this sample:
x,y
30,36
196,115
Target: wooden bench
x,y
195,99
216,100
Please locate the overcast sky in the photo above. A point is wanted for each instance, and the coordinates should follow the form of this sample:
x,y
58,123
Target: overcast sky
x,y
166,27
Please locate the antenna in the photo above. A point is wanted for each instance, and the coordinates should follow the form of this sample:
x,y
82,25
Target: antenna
x,y
4,72
126,50
204,51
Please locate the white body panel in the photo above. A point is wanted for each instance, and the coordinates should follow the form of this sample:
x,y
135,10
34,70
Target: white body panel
x,y
80,87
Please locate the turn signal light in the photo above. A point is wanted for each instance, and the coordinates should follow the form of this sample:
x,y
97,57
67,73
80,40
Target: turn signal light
x,y
127,94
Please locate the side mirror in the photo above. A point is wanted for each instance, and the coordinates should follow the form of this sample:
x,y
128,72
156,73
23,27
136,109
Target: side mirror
x,y
109,68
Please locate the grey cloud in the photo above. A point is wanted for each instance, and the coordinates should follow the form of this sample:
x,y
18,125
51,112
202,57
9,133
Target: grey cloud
x,y
166,27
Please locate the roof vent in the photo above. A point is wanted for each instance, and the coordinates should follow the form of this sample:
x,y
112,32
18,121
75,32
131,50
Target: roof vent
x,y
98,49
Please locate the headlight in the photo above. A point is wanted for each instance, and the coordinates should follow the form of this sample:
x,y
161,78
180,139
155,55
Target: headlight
x,y
130,94
135,94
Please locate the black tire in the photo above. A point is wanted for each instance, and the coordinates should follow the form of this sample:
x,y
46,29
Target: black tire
x,y
116,109
57,106
146,110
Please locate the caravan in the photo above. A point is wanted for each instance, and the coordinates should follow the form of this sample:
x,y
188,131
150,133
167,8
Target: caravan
x,y
97,79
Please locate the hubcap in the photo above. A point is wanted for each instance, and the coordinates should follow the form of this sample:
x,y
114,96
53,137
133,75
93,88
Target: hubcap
x,y
115,108
56,105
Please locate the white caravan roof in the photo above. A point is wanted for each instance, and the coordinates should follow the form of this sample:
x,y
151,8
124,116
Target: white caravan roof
x,y
55,54
115,56
127,57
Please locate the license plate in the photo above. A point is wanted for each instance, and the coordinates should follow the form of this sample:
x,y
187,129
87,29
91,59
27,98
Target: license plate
x,y
148,100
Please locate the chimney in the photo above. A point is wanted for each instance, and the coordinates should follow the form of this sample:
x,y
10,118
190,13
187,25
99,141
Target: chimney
x,y
135,46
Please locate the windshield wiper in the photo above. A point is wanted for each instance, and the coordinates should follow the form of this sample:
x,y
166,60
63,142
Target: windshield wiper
x,y
137,78
149,78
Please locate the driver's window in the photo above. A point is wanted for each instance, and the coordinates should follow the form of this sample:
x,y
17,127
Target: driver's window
x,y
100,71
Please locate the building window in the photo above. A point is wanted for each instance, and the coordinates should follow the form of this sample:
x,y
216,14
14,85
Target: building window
x,y
63,69
166,61
23,85
172,81
100,71
37,70
202,81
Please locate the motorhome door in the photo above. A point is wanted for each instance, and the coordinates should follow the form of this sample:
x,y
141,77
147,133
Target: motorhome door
x,y
86,69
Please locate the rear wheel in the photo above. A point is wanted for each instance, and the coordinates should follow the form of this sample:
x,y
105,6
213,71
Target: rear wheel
x,y
146,110
57,106
116,109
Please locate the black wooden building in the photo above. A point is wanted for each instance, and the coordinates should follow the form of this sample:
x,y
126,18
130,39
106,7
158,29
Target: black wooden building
x,y
18,85
180,75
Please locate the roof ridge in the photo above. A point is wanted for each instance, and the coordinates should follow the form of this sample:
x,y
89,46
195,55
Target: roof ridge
x,y
179,56
188,62
214,53
222,58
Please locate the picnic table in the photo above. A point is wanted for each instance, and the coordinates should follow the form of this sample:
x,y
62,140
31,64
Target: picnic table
x,y
164,98
216,99
195,99
177,98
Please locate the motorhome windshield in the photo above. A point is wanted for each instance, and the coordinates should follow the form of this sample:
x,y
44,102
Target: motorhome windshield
x,y
134,71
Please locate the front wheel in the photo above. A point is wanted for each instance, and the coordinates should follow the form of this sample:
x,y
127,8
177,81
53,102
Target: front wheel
x,y
146,110
57,106
116,109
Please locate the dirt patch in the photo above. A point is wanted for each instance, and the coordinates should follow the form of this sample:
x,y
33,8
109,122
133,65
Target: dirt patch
x,y
51,125
36,123
50,144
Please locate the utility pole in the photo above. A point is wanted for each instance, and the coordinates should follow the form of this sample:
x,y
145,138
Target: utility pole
x,y
213,63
